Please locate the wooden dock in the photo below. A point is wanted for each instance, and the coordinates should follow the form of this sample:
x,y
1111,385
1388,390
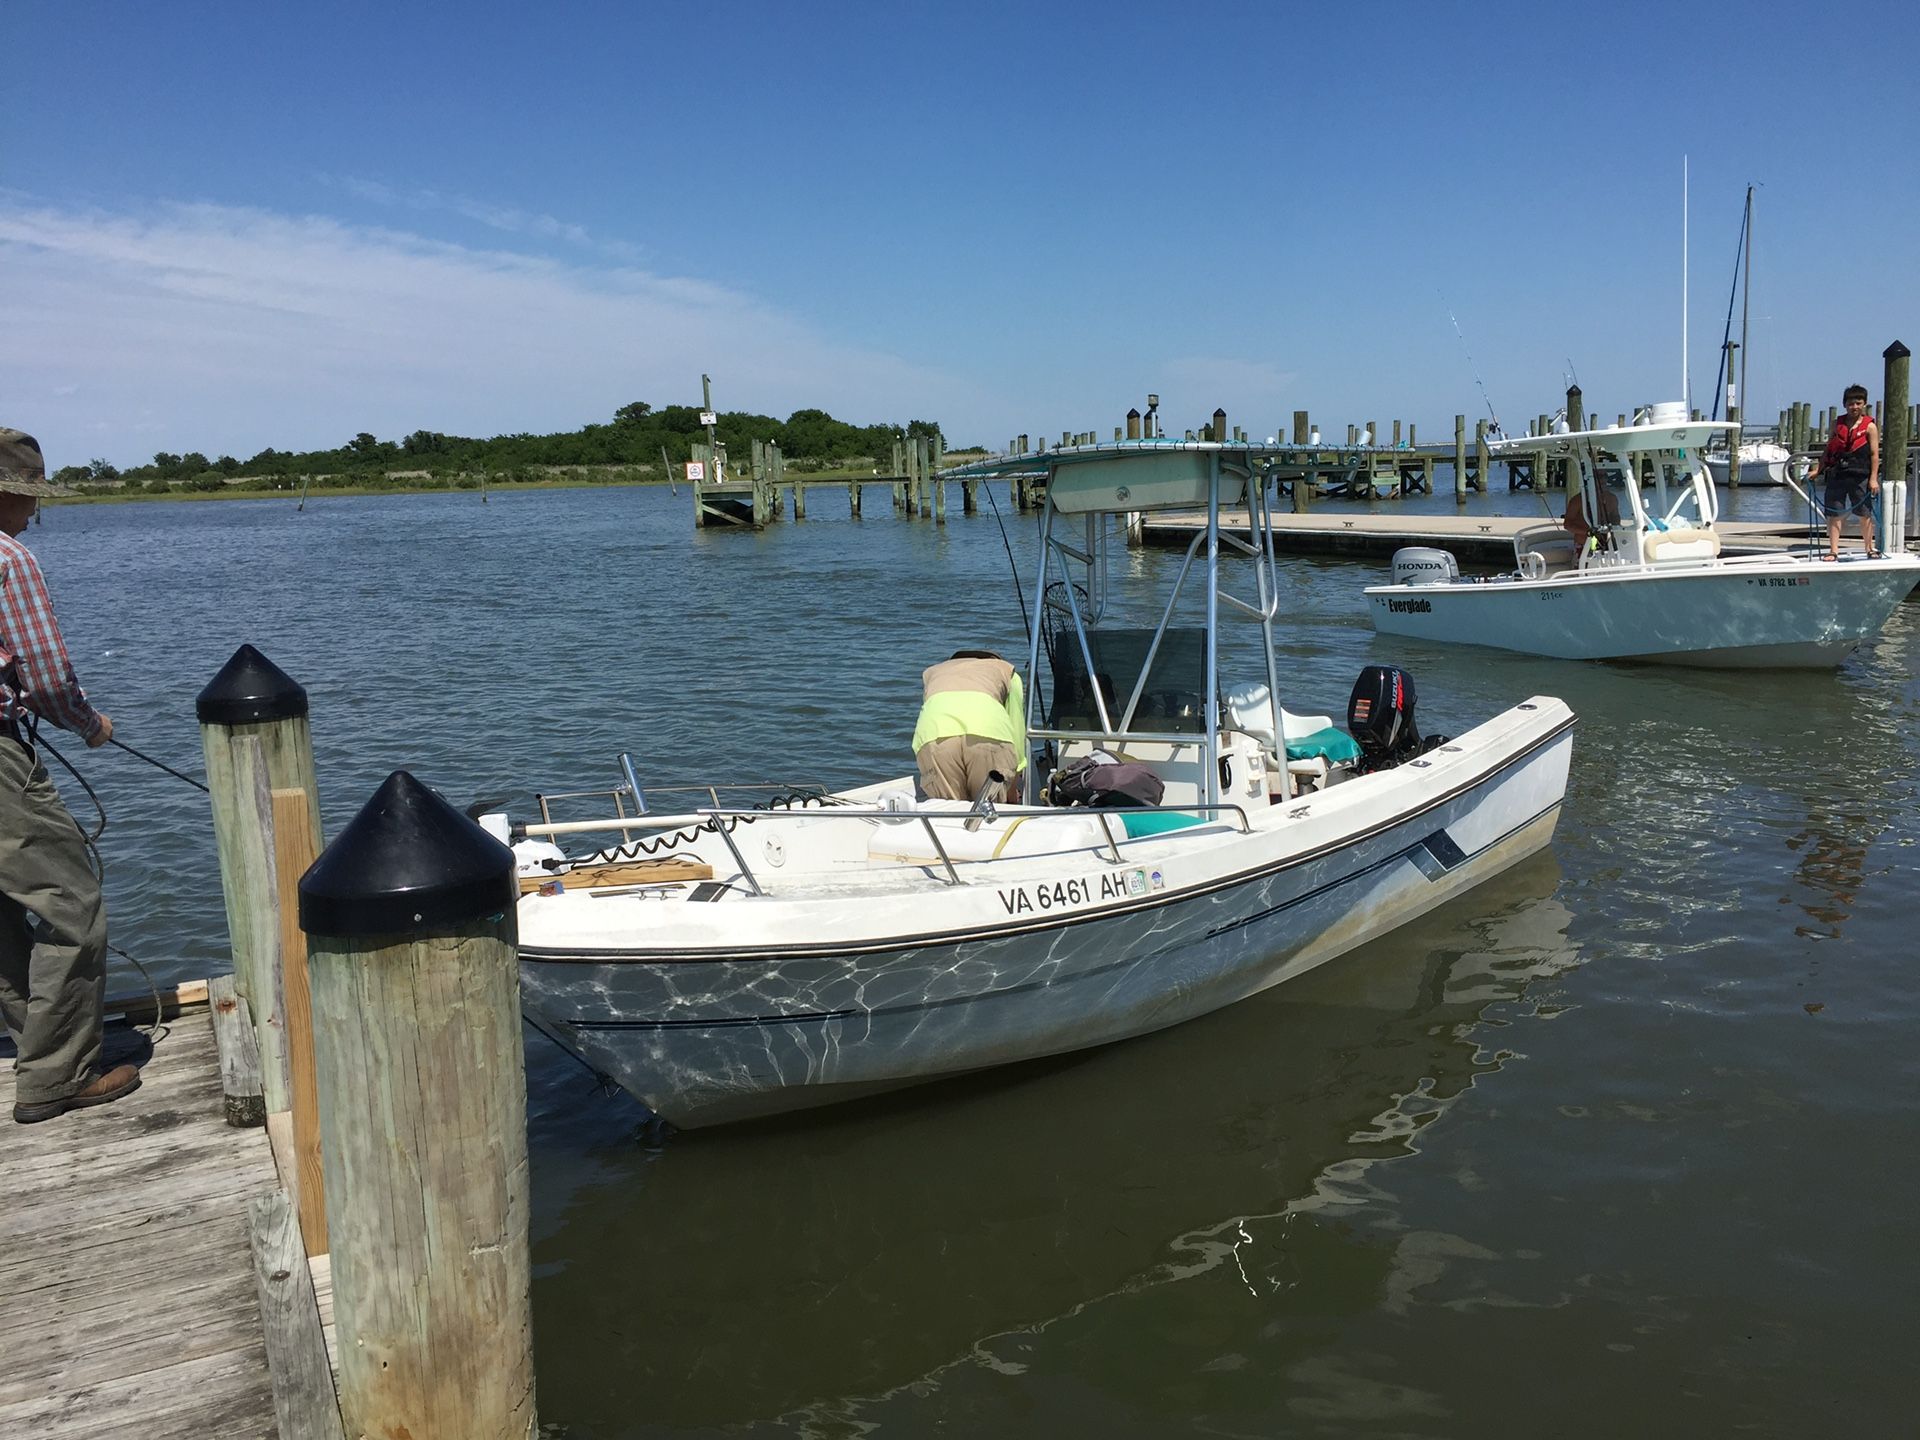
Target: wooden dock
x,y
1478,539
125,1261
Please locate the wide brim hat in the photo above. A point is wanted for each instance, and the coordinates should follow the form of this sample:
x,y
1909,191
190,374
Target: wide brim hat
x,y
23,470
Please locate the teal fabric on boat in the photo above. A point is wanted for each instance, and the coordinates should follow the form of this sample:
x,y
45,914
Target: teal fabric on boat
x,y
1154,822
1332,743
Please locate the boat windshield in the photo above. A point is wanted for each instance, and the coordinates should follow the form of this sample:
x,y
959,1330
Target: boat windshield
x,y
1173,698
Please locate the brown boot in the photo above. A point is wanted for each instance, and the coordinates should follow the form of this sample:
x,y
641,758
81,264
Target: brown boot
x,y
103,1089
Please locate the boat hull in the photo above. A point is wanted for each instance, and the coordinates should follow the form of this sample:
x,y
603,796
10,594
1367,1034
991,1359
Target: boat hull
x,y
1753,470
710,1039
1771,612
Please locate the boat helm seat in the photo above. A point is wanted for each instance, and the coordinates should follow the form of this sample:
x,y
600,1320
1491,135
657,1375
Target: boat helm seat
x,y
1679,543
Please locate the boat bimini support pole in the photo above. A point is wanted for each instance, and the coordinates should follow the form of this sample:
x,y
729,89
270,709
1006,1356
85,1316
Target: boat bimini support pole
x,y
1212,791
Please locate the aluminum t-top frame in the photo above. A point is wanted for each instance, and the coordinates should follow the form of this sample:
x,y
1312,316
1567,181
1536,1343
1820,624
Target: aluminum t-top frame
x,y
1093,484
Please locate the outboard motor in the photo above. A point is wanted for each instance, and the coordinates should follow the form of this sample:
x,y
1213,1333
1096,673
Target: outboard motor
x,y
1380,717
1423,565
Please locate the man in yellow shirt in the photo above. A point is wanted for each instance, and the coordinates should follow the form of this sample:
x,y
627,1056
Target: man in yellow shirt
x,y
973,721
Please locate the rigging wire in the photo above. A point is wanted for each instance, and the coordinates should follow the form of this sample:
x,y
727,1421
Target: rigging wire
x,y
1733,292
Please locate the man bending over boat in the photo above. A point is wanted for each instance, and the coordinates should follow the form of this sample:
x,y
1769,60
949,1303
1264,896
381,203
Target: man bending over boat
x,y
973,721
1576,516
1852,467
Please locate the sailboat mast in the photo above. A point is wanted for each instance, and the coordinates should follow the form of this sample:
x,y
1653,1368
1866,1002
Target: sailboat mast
x,y
1686,379
1746,293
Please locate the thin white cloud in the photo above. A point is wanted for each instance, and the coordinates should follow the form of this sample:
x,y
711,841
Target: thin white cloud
x,y
219,328
505,218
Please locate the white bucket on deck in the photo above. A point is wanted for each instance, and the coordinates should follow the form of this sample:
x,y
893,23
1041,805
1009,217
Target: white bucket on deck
x,y
1667,412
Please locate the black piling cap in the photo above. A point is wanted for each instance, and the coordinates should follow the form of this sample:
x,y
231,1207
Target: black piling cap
x,y
1895,351
407,864
249,689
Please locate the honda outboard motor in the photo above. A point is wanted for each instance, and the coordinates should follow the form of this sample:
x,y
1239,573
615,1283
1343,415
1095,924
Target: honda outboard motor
x,y
1380,717
1423,565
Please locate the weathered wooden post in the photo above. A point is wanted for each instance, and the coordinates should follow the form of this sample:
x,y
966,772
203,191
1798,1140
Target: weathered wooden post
x,y
899,471
259,752
796,486
939,486
1896,436
1564,470
410,915
1482,456
256,739
853,498
1460,459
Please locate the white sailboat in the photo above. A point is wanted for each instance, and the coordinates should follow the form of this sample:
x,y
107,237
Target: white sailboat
x,y
728,961
1651,584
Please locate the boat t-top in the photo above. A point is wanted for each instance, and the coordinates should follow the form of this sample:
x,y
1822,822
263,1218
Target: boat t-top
x,y
763,948
1643,577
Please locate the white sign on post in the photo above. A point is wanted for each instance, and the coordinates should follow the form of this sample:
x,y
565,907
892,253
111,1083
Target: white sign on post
x,y
707,417
696,471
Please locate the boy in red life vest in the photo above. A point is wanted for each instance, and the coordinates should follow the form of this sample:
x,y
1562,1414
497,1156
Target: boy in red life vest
x,y
1852,467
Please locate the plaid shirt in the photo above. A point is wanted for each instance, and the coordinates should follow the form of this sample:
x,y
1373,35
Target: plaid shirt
x,y
36,678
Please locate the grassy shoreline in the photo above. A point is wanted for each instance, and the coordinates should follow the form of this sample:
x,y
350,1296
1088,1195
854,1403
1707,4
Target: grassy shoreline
x,y
265,488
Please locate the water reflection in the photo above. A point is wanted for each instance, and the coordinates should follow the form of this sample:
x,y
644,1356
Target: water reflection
x,y
806,1268
1832,868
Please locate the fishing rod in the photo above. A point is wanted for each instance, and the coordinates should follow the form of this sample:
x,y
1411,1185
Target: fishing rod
x,y
1473,369
1012,564
158,765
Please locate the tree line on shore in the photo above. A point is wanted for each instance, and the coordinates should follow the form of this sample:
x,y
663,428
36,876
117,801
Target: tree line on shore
x,y
635,439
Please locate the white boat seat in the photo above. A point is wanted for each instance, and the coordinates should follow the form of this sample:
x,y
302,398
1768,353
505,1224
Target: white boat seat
x,y
1679,543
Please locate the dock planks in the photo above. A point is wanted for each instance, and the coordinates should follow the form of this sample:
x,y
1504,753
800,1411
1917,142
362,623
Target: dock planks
x,y
125,1260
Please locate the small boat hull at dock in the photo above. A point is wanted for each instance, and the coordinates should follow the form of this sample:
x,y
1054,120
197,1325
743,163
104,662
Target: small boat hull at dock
x,y
1759,612
781,1017
1762,462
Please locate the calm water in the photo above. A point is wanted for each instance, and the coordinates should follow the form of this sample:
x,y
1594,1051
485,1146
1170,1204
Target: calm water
x,y
1619,1143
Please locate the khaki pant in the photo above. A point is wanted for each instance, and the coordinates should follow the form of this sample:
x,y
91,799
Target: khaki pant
x,y
53,974
955,768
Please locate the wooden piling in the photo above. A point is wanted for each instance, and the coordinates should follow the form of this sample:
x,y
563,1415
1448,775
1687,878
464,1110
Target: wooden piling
x,y
1482,455
293,852
1895,436
410,915
255,737
1460,459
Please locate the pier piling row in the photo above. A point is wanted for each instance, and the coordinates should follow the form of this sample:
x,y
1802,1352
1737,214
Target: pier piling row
x,y
320,1140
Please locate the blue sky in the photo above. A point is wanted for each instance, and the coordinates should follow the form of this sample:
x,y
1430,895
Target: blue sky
x,y
227,226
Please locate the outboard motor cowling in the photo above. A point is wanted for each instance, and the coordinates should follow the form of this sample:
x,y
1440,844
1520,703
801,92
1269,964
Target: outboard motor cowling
x,y
1423,565
1380,717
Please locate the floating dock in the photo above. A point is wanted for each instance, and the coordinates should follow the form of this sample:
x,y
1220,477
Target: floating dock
x,y
1478,539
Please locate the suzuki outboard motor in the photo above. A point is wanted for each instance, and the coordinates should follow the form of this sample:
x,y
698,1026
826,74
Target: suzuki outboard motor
x,y
1380,717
